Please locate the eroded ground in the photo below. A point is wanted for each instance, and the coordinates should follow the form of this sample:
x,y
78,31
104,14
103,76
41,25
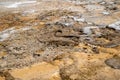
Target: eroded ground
x,y
60,40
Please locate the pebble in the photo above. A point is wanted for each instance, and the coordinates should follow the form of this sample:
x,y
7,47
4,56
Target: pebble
x,y
105,13
90,29
79,19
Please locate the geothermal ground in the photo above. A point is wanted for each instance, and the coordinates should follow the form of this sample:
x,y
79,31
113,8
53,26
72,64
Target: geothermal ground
x,y
60,40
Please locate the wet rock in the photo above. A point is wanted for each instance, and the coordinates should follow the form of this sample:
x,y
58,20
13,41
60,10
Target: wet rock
x,y
79,19
91,30
113,62
115,25
5,34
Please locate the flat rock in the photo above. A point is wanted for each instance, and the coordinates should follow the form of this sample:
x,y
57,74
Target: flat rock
x,y
113,62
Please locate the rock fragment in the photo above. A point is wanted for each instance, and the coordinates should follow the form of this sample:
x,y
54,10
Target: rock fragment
x,y
115,25
113,62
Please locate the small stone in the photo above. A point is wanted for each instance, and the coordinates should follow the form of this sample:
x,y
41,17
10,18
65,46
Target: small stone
x,y
95,50
105,13
103,3
79,19
91,30
113,62
115,25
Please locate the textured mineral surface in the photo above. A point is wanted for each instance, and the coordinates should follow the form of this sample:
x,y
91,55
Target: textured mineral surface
x,y
60,40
